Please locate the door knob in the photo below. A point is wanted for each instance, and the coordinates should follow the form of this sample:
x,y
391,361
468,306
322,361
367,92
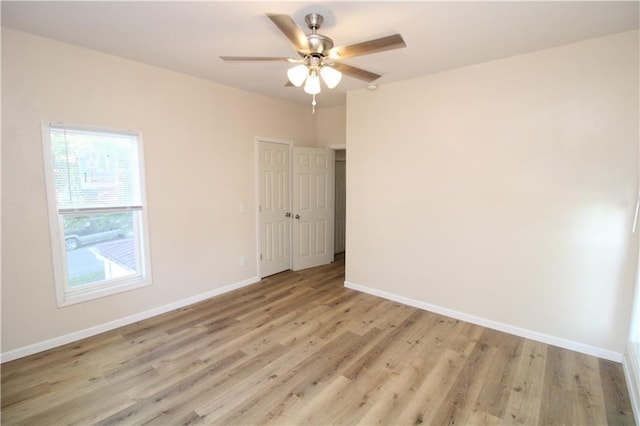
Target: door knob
x,y
297,216
287,214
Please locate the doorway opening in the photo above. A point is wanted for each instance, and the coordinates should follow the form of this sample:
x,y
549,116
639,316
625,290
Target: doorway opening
x,y
341,201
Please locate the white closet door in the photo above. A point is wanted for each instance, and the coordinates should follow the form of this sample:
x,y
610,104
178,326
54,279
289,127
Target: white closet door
x,y
312,207
275,225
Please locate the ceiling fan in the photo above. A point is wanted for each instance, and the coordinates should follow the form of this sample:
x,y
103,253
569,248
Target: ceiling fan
x,y
319,57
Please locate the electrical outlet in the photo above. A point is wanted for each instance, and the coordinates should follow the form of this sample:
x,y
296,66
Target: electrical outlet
x,y
243,260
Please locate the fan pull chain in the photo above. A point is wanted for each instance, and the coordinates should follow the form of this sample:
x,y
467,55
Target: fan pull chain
x,y
313,105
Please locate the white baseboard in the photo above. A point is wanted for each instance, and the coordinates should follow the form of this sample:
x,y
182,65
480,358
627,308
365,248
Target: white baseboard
x,y
528,334
92,331
631,367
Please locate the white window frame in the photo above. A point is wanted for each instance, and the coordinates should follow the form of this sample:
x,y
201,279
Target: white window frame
x,y
65,295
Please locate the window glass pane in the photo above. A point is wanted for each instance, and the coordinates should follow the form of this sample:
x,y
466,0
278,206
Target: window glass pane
x,y
100,247
97,212
93,169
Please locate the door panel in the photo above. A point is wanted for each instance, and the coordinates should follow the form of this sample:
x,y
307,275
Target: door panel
x,y
313,201
275,226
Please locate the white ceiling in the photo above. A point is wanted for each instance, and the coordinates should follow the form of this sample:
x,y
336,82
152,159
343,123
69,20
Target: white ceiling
x,y
189,37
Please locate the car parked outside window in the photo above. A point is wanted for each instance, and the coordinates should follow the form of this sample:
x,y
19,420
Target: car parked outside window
x,y
81,230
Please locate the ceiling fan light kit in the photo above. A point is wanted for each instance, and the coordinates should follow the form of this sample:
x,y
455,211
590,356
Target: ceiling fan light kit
x,y
320,59
330,76
298,74
309,72
312,85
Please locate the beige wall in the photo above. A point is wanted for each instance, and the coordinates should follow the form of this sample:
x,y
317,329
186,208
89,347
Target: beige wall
x,y
199,141
504,190
331,125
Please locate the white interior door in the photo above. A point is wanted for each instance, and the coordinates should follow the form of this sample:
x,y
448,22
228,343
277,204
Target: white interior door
x,y
312,207
274,213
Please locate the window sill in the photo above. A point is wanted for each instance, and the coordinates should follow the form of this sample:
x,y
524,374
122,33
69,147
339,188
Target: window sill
x,y
85,295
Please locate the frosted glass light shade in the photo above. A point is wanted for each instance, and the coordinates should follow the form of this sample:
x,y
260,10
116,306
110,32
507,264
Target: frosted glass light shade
x,y
331,76
298,74
312,86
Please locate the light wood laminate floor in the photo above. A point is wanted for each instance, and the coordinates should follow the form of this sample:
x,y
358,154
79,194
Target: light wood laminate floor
x,y
299,348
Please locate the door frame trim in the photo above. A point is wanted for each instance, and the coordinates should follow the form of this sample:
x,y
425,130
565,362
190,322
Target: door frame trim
x,y
256,156
338,147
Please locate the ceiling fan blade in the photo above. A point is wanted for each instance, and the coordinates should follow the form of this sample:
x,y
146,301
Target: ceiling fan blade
x,y
372,46
291,30
256,58
354,72
288,84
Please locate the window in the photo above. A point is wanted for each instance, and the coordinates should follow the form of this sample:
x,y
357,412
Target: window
x,y
95,187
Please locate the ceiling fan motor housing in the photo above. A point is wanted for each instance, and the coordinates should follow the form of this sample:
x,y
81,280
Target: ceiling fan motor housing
x,y
319,43
313,20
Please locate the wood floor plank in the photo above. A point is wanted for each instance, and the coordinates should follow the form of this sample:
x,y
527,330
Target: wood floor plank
x,y
82,407
139,412
588,402
76,377
422,363
398,333
460,401
616,400
498,385
55,360
526,395
306,389
557,401
296,411
256,336
319,369
33,392
300,348
423,406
